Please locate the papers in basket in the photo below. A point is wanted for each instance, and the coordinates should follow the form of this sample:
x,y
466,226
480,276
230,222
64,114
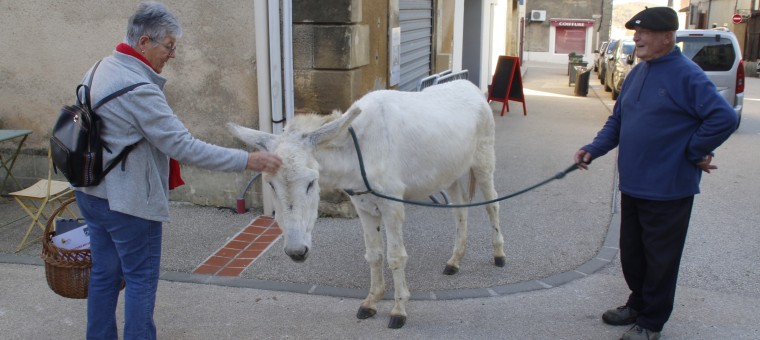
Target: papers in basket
x,y
74,239
63,225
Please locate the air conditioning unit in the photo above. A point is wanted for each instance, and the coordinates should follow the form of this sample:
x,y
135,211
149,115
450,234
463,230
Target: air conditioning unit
x,y
537,15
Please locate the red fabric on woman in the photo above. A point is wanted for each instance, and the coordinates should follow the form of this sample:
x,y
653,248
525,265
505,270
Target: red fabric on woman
x,y
175,178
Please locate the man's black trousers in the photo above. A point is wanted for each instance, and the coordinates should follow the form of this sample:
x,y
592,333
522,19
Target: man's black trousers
x,y
652,237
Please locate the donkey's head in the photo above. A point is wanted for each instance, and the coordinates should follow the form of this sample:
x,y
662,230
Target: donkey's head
x,y
296,185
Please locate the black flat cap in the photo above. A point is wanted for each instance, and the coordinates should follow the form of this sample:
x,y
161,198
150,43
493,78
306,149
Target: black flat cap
x,y
655,19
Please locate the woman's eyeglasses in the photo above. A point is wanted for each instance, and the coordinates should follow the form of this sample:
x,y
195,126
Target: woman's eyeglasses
x,y
171,49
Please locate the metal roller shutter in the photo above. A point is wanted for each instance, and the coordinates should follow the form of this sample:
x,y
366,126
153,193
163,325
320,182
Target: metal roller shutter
x,y
416,21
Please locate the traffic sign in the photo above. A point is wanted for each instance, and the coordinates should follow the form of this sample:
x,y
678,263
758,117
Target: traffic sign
x,y
737,18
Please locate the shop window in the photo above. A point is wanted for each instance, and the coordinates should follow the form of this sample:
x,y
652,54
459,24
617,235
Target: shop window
x,y
570,39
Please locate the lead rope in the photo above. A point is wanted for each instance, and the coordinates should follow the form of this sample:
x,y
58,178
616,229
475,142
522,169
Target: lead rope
x,y
369,190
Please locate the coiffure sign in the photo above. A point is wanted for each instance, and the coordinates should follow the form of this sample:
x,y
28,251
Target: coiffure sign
x,y
572,23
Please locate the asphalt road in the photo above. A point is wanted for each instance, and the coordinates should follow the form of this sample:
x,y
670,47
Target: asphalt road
x,y
552,236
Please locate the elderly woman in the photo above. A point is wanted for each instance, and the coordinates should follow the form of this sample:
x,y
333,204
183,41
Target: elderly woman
x,y
126,210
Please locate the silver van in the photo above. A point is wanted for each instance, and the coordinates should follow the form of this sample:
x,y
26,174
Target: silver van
x,y
717,52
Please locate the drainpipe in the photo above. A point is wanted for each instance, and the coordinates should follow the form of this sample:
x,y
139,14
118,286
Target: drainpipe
x,y
275,66
456,55
287,56
269,71
281,65
489,66
262,65
265,104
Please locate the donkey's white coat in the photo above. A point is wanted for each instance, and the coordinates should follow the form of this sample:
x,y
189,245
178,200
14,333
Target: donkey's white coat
x,y
414,144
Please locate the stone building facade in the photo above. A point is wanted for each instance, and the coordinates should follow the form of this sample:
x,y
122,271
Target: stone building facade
x,y
554,29
342,49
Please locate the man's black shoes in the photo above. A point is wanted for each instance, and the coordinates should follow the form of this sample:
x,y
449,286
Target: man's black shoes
x,y
640,333
620,316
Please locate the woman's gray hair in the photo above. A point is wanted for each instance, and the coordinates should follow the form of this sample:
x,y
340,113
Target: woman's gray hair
x,y
154,20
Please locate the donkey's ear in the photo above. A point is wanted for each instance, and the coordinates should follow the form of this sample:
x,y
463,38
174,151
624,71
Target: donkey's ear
x,y
334,128
257,139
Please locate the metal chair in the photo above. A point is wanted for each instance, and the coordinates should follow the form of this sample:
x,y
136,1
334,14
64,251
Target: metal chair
x,y
40,199
451,77
425,82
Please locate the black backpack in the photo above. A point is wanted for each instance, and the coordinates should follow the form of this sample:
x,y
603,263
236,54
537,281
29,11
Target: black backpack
x,y
75,145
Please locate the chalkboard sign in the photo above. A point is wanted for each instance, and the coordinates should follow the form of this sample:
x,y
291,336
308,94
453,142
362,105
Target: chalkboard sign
x,y
506,83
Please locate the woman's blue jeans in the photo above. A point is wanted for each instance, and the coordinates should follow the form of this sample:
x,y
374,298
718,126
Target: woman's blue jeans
x,y
123,246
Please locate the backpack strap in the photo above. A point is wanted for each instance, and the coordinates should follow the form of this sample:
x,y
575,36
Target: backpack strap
x,y
107,99
116,94
92,74
120,157
123,154
86,99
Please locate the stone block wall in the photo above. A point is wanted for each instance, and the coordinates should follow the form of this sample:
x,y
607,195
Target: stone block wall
x,y
339,54
212,80
330,48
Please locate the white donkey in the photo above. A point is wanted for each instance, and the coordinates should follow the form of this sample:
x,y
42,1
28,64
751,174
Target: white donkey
x,y
414,144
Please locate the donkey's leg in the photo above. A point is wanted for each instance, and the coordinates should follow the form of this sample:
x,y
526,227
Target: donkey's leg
x,y
393,217
460,215
483,172
373,244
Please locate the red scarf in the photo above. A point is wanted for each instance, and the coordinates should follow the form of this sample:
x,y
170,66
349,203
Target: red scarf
x,y
175,179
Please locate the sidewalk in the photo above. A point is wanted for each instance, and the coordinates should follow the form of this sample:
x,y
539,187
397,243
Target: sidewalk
x,y
561,273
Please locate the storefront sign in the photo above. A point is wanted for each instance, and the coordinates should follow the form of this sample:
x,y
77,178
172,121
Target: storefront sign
x,y
572,22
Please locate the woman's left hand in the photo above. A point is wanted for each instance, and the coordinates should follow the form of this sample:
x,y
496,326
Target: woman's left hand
x,y
263,162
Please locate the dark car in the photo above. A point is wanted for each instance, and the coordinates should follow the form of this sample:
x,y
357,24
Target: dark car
x,y
604,59
599,56
623,60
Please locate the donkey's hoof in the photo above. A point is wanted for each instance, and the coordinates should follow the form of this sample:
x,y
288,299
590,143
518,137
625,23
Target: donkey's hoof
x,y
450,270
397,321
500,261
365,313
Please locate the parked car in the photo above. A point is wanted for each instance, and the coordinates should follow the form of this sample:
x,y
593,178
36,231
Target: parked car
x,y
717,52
623,60
599,56
603,62
623,48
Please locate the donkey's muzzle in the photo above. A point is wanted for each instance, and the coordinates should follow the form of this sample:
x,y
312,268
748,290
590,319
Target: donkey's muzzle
x,y
299,254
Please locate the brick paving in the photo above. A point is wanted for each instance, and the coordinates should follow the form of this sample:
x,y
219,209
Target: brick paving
x,y
242,250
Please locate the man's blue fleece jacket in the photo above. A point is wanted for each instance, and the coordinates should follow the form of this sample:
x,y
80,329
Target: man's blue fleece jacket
x,y
667,117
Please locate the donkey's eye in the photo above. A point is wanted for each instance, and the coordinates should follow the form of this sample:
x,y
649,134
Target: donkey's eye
x,y
308,187
272,186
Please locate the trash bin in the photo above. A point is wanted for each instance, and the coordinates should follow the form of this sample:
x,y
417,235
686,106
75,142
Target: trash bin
x,y
582,78
573,60
572,71
575,63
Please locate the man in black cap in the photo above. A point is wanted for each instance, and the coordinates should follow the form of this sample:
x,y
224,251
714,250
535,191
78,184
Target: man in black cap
x,y
666,123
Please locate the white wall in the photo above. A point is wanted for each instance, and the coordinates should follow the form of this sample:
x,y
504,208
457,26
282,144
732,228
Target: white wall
x,y
552,57
498,44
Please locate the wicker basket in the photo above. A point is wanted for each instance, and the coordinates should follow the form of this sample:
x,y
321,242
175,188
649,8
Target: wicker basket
x,y
67,271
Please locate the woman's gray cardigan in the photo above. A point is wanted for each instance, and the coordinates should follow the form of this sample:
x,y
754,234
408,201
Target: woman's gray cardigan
x,y
140,186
